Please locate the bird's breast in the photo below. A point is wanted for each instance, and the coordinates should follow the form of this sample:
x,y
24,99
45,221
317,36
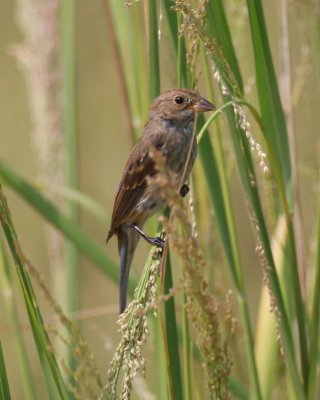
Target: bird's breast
x,y
177,149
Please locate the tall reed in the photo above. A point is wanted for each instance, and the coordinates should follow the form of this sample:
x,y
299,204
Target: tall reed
x,y
193,301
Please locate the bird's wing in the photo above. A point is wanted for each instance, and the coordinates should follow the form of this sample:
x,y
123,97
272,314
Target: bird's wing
x,y
131,188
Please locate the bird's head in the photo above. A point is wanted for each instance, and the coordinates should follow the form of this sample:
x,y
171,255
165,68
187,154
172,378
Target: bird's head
x,y
179,106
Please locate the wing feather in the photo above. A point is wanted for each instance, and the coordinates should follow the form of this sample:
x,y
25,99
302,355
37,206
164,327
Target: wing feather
x,y
131,189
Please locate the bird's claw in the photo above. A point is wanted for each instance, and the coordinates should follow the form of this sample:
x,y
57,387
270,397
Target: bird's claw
x,y
155,241
184,190
158,241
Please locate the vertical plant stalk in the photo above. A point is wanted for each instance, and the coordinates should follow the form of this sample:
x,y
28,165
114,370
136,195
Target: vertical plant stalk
x,y
85,381
231,247
206,157
154,69
68,294
134,329
226,228
182,70
287,102
4,385
173,23
314,34
267,348
274,122
119,70
131,27
170,333
52,374
7,288
201,306
160,355
186,340
38,58
167,311
241,136
313,382
218,29
38,55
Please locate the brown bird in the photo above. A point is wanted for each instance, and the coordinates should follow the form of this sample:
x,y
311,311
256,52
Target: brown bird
x,y
169,129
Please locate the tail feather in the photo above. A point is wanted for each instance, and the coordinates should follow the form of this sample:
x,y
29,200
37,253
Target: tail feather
x,y
127,243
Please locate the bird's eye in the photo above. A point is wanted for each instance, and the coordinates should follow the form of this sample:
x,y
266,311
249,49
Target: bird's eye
x,y
179,100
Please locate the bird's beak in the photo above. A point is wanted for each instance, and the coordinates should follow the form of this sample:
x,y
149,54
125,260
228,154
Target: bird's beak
x,y
203,105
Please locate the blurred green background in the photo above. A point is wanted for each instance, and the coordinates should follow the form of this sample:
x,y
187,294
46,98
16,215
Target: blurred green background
x,y
104,145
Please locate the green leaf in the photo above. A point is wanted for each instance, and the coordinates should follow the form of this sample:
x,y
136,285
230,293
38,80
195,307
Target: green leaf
x,y
71,230
173,19
227,231
7,286
171,338
276,131
268,92
86,202
313,383
218,27
154,70
4,385
55,384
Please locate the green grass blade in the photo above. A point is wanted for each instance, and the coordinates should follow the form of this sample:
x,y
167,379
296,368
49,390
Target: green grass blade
x,y
52,214
211,170
4,385
269,98
154,70
68,294
186,343
86,202
219,195
173,21
123,30
275,127
11,307
217,27
266,336
120,70
139,33
170,331
313,383
161,372
227,232
130,32
247,174
70,137
171,338
52,374
238,391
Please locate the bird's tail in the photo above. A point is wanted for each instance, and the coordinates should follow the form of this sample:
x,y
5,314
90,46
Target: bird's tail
x,y
127,242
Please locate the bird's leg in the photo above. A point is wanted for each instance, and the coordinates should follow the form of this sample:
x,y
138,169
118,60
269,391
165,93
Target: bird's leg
x,y
155,241
184,190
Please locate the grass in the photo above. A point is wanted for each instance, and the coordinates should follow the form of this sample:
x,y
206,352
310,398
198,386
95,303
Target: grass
x,y
200,352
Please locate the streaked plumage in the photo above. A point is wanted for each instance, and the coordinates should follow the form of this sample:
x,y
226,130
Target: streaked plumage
x,y
169,129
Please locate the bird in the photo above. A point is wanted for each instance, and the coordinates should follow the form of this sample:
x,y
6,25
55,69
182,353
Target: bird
x,y
169,130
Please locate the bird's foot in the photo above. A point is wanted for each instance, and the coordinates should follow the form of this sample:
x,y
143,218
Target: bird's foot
x,y
184,190
155,241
